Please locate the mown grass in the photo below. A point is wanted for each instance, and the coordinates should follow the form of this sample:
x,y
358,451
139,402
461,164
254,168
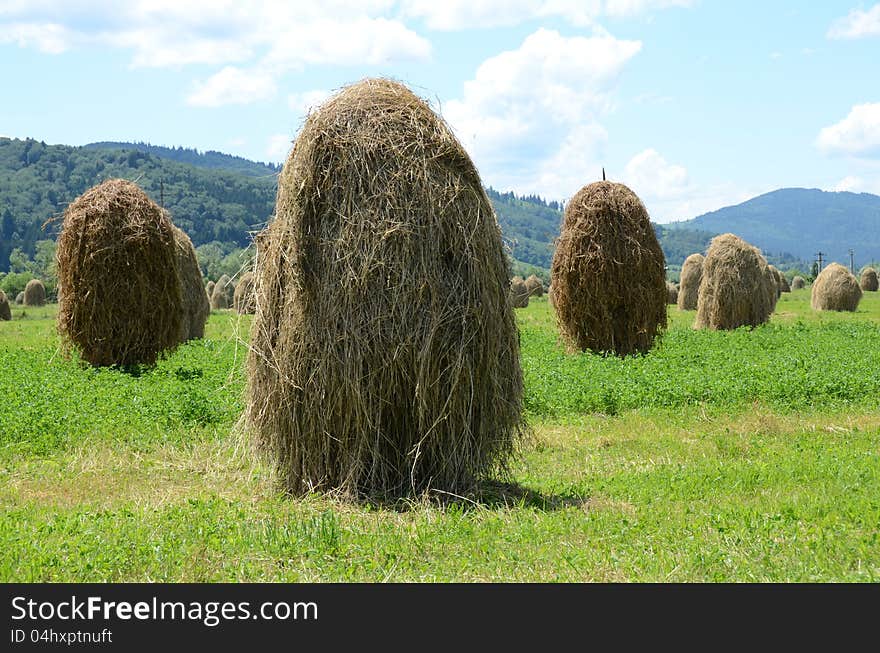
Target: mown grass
x,y
748,456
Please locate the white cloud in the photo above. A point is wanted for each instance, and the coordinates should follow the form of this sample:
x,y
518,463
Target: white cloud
x,y
232,86
858,134
278,147
857,24
50,38
849,183
482,14
648,173
303,103
527,108
269,37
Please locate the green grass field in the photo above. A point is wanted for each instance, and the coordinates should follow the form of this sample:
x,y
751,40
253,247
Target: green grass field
x,y
743,456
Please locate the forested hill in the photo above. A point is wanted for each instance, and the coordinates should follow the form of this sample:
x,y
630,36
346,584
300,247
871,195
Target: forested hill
x,y
220,199
211,159
803,222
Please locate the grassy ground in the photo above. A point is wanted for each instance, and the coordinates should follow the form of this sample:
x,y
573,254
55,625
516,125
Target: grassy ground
x,y
745,456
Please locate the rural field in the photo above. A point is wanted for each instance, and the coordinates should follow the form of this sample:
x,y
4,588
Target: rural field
x,y
751,455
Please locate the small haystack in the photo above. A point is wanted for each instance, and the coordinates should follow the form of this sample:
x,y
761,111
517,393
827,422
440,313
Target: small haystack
x,y
116,261
797,283
209,290
519,293
689,283
868,281
222,296
836,289
535,286
783,283
35,293
737,289
671,293
19,298
384,351
609,282
243,300
5,310
196,307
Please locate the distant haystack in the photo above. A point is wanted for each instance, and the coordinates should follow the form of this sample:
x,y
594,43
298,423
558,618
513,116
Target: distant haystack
x,y
209,290
777,279
196,307
737,289
35,293
797,283
671,293
836,289
608,274
121,302
5,310
783,283
222,296
243,301
868,281
519,293
689,283
535,286
19,298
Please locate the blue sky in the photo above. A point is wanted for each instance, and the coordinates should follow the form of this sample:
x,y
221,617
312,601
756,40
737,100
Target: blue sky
x,y
696,104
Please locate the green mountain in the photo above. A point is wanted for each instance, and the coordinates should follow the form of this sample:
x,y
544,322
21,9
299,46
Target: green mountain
x,y
802,222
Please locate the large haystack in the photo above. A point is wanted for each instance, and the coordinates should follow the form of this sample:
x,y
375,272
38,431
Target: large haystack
x,y
116,260
609,283
535,286
836,289
797,283
868,281
196,307
671,293
689,283
243,301
737,289
221,296
35,293
519,293
5,310
384,352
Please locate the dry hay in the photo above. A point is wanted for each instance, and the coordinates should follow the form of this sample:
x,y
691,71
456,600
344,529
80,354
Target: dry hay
x,y
384,352
535,286
737,288
783,283
121,303
5,310
868,281
196,307
797,283
19,298
689,283
519,293
671,293
220,297
777,280
771,288
609,283
836,289
209,290
243,300
35,293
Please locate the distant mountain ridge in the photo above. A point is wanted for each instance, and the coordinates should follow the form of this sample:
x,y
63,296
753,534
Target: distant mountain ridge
x,y
210,159
803,222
